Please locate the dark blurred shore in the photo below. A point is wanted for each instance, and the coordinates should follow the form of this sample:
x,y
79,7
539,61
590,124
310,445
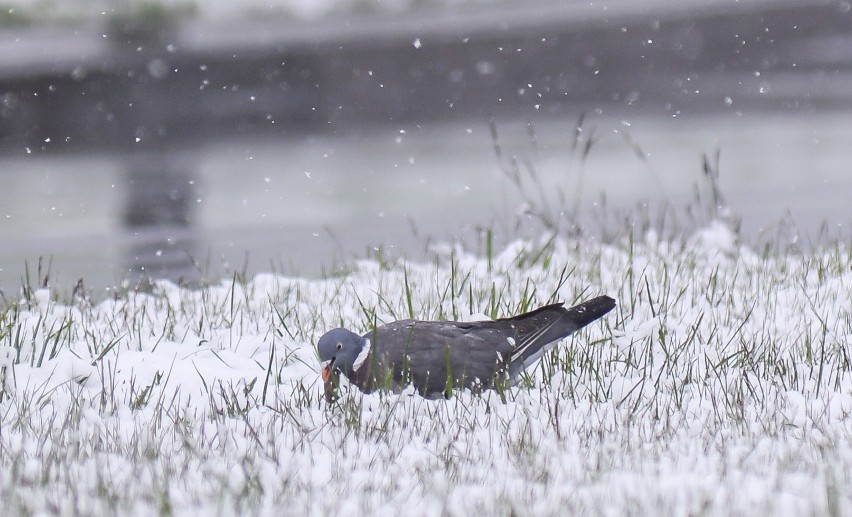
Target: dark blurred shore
x,y
144,83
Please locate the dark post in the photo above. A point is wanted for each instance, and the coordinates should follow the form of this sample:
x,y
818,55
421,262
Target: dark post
x,y
161,181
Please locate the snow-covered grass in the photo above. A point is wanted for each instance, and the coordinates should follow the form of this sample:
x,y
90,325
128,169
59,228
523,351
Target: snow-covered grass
x,y
721,385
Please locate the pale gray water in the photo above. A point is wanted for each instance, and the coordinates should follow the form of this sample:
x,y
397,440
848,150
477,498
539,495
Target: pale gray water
x,y
303,204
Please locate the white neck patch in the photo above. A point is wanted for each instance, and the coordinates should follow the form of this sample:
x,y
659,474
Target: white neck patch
x,y
362,355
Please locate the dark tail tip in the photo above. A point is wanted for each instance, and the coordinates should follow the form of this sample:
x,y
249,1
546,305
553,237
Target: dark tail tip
x,y
590,310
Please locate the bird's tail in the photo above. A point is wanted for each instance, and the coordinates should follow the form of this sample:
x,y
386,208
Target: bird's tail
x,y
588,311
542,328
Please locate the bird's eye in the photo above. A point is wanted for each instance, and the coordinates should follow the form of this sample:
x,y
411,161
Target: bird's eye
x,y
339,346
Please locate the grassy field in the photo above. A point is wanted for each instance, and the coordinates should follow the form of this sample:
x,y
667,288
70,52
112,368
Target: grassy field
x,y
720,385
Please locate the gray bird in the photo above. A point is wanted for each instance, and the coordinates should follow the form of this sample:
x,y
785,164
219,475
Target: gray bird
x,y
437,357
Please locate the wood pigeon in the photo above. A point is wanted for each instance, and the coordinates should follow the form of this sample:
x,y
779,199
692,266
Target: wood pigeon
x,y
437,357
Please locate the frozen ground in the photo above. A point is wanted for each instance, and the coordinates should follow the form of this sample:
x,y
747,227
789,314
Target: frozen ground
x,y
720,385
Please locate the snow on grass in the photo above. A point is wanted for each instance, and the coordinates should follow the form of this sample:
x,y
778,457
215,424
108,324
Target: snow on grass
x,y
720,384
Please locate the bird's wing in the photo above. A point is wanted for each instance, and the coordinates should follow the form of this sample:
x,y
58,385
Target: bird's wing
x,y
436,355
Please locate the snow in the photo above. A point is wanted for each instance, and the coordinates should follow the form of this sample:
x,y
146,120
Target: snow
x,y
719,385
717,238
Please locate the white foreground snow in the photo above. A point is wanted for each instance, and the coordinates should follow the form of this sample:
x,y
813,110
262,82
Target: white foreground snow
x,y
720,385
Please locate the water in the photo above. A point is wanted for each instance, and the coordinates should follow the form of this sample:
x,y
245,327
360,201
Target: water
x,y
303,205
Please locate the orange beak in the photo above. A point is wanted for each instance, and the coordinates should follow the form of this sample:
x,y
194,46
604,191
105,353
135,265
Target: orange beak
x,y
326,371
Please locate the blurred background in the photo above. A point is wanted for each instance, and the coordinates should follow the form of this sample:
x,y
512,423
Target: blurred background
x,y
195,139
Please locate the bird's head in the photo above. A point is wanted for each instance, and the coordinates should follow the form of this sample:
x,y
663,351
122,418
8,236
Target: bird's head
x,y
338,350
